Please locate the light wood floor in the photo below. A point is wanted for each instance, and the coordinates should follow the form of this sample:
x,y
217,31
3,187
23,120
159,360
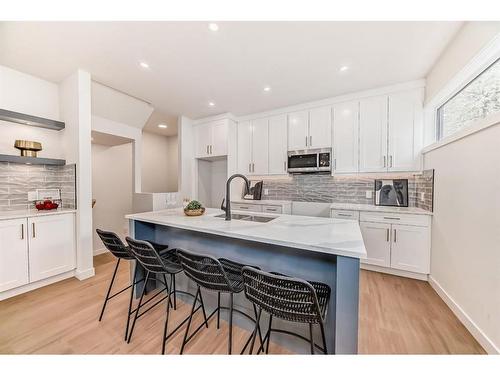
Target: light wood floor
x,y
397,315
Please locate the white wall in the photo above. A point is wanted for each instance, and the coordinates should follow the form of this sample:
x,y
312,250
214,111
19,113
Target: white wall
x,y
24,93
112,183
159,163
467,43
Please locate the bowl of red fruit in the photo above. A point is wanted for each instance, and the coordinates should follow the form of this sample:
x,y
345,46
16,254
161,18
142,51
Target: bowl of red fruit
x,y
46,205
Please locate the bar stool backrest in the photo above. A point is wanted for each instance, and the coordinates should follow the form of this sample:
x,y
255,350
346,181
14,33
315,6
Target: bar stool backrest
x,y
114,244
205,270
147,256
288,298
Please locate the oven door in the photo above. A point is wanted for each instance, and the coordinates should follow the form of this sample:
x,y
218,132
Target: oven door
x,y
307,162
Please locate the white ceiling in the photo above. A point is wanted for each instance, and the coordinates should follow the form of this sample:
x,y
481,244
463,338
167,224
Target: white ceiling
x,y
158,117
191,65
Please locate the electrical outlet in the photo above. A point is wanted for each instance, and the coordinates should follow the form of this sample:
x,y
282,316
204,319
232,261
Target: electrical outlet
x,y
368,194
266,191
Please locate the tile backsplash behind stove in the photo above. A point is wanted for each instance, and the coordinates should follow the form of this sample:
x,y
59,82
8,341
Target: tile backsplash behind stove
x,y
17,179
347,189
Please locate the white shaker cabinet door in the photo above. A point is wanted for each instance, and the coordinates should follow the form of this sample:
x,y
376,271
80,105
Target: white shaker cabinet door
x,y
218,146
298,130
377,238
245,147
202,139
277,145
260,146
51,245
345,137
320,127
373,134
405,130
13,254
410,248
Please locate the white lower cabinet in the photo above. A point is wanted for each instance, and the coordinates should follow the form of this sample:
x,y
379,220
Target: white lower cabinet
x,y
36,248
13,254
51,245
377,243
410,248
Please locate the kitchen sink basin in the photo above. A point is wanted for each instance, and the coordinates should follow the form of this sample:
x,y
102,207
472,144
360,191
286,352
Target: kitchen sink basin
x,y
258,219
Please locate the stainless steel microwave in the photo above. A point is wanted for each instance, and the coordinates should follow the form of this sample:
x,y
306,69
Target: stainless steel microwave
x,y
310,161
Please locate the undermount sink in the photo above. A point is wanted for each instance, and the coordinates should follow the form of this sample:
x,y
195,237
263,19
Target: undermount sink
x,y
258,219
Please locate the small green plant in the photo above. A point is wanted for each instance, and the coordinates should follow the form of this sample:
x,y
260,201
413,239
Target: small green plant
x,y
194,205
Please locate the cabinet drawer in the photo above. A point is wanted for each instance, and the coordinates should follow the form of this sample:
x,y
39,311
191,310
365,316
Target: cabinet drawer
x,y
272,209
393,218
246,207
345,214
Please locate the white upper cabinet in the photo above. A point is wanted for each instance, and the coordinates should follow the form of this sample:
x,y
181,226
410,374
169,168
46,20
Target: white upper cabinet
x,y
345,137
373,134
13,254
260,146
277,145
51,245
245,147
298,130
405,130
211,139
320,127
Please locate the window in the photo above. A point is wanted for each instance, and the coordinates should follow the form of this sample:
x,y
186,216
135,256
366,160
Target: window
x,y
479,99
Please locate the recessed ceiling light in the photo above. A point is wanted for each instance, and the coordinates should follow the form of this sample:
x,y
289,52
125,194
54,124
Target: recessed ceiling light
x,y
163,126
267,88
213,26
211,104
343,68
144,65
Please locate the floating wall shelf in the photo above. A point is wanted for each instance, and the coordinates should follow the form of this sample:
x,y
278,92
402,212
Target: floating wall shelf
x,y
22,118
30,160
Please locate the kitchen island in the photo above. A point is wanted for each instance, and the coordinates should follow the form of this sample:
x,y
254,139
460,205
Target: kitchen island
x,y
312,248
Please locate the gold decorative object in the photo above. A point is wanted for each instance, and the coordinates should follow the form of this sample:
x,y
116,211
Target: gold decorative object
x,y
197,212
28,148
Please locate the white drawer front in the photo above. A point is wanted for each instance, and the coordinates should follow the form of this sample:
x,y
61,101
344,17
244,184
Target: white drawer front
x,y
272,209
408,219
345,214
246,207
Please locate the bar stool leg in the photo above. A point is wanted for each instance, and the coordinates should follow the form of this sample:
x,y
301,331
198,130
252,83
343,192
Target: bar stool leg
x,y
203,309
190,319
168,289
174,291
254,333
269,337
138,307
130,302
311,337
218,309
163,347
109,289
323,337
230,343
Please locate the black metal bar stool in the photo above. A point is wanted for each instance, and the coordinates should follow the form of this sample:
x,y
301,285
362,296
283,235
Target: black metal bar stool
x,y
287,298
115,245
219,275
158,265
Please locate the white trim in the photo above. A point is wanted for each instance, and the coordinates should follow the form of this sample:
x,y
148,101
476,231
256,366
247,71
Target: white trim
x,y
37,284
466,320
477,126
222,116
487,56
392,271
84,274
100,251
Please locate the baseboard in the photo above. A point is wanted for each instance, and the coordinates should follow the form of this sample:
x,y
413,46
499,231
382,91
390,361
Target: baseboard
x,y
392,271
84,274
475,331
100,251
37,284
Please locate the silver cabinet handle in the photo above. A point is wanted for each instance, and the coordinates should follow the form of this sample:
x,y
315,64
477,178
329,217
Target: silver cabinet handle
x,y
211,150
243,208
344,215
387,230
392,218
284,166
310,140
385,163
22,231
390,161
207,150
394,235
34,232
271,209
306,140
249,167
334,163
253,167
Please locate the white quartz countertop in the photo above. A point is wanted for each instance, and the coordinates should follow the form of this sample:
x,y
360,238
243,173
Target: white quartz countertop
x,y
373,208
318,234
262,201
5,215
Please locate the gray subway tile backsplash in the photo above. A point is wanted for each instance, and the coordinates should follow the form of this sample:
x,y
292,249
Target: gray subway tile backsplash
x,y
17,179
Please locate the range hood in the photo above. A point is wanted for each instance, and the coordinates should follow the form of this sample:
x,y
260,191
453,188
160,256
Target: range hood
x,y
22,118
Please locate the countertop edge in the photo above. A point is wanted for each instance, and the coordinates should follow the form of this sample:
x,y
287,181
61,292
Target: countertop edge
x,y
6,215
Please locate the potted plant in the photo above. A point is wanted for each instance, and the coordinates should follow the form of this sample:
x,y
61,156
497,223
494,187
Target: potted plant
x,y
194,208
